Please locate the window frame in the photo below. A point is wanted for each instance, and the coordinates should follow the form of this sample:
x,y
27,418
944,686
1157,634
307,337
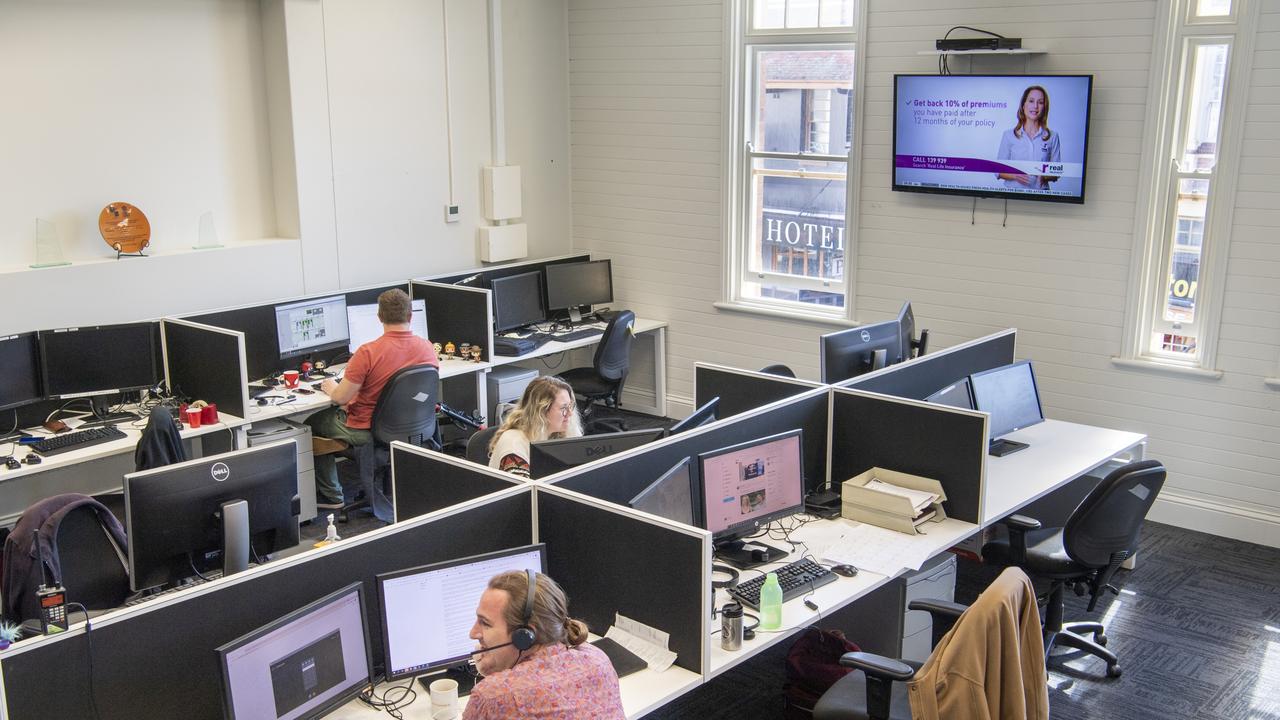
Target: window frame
x,y
742,43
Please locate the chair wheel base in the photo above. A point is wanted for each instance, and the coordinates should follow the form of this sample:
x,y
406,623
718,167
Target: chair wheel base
x,y
1100,639
1113,671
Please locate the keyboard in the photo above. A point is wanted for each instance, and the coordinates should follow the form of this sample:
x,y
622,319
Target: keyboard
x,y
186,583
67,442
574,334
797,580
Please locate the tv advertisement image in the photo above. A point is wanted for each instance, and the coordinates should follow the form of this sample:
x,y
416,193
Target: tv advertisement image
x,y
1022,137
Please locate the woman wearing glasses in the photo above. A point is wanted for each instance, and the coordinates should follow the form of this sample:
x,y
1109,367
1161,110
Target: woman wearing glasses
x,y
546,412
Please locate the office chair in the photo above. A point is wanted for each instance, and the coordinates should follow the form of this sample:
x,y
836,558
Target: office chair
x,y
478,445
780,370
1085,553
994,644
406,411
608,371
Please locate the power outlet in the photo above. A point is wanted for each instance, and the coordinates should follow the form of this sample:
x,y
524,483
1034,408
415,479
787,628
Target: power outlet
x,y
450,213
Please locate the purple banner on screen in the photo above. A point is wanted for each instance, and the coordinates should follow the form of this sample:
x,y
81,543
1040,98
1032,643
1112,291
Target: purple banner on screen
x,y
963,164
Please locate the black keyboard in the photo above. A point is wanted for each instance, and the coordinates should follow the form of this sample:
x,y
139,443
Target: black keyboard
x,y
574,335
186,583
76,440
797,580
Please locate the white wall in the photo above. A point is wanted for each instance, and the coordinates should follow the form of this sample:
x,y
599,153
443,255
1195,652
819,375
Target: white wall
x,y
645,91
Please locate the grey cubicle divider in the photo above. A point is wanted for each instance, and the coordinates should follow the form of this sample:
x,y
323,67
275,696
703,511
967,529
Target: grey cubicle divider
x,y
620,477
423,481
158,660
456,314
615,560
947,444
484,275
206,363
258,323
920,378
742,390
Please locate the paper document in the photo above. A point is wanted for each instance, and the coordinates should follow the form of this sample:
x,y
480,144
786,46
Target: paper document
x,y
919,498
650,644
878,550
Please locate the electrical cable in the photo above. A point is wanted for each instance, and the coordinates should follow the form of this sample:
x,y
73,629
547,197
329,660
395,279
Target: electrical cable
x,y
88,639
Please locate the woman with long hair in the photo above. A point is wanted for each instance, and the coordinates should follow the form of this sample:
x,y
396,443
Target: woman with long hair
x,y
1030,140
547,411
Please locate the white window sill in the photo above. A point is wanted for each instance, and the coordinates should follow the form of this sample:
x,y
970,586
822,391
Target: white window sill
x,y
1273,383
1166,368
785,314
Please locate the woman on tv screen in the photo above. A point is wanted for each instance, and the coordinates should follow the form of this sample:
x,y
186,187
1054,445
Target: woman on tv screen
x,y
1030,139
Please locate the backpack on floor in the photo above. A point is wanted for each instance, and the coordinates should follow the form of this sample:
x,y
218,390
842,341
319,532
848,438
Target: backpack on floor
x,y
813,666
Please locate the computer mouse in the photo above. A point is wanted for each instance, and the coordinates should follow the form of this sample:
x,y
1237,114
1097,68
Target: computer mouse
x,y
844,570
32,459
56,426
12,463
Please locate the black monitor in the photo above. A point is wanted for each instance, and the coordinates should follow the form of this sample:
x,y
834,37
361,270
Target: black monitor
x,y
87,361
1010,396
428,611
746,486
192,517
20,379
517,301
310,326
572,285
673,496
957,394
701,416
303,665
852,352
911,345
551,456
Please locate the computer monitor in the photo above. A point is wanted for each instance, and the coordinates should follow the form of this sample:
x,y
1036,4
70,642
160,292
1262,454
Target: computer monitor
x,y
672,496
364,326
20,380
701,416
87,361
911,345
311,326
956,394
517,301
1010,396
191,517
551,456
572,285
852,352
428,611
746,486
302,665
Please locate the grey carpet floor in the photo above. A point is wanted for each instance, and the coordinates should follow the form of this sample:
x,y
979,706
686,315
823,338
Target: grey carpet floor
x,y
1196,627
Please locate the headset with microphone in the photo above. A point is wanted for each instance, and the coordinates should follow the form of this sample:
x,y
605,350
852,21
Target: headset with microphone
x,y
523,637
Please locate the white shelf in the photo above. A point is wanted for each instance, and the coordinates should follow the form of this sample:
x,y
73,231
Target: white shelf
x,y
1019,51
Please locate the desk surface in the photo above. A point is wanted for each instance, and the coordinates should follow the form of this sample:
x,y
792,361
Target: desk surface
x,y
554,346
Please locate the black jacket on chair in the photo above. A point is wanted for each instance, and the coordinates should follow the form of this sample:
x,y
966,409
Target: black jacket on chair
x,y
160,443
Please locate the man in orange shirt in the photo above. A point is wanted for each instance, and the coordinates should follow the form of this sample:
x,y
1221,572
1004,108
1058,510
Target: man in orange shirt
x,y
354,398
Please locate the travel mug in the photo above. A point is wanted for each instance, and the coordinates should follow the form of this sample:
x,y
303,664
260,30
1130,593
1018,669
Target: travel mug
x,y
731,626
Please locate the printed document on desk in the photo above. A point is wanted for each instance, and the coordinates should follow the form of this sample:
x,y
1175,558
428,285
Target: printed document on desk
x,y
650,644
868,547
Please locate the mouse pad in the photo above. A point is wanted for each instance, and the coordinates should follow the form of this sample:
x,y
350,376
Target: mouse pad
x,y
624,661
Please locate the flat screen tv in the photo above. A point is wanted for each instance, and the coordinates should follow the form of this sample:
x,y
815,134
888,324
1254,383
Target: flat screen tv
x,y
1024,137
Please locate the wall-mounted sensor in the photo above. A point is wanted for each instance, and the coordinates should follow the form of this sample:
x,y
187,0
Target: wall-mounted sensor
x,y
450,213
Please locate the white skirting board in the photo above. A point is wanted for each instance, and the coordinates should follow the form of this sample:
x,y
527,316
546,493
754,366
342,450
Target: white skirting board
x,y
1238,523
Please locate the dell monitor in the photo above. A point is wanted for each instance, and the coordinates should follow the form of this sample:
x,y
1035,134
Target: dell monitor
x,y
672,496
311,326
701,416
911,345
957,394
1009,395
192,517
20,380
364,326
428,611
849,353
572,285
517,301
747,486
303,665
94,362
551,456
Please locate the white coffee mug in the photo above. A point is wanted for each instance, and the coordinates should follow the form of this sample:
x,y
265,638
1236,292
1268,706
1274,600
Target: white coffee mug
x,y
444,694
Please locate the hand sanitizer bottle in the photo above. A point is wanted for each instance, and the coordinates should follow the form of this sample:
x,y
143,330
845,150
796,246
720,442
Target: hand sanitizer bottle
x,y
331,532
771,603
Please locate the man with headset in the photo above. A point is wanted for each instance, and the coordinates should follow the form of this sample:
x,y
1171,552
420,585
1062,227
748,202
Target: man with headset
x,y
535,659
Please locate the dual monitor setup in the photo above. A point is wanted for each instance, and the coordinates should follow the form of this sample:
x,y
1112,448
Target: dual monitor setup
x,y
558,290
866,348
318,657
1007,393
329,323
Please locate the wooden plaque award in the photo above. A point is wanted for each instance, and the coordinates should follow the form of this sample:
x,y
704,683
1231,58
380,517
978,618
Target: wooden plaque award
x,y
125,228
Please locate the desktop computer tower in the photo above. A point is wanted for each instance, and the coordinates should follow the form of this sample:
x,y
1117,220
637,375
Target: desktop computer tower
x,y
269,431
505,385
936,579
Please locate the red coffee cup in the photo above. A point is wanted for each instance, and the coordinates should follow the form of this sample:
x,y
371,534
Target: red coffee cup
x,y
209,415
193,417
291,378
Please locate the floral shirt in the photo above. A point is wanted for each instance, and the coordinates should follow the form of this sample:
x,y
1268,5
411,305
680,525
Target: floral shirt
x,y
553,682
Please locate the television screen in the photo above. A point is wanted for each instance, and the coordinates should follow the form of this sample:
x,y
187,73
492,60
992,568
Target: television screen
x,y
1006,136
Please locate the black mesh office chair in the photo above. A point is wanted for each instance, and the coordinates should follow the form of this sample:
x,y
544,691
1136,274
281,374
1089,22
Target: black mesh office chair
x,y
478,445
780,370
406,411
608,371
1101,533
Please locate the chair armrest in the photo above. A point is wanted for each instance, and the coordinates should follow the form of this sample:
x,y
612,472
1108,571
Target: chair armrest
x,y
1018,526
878,666
1021,523
939,609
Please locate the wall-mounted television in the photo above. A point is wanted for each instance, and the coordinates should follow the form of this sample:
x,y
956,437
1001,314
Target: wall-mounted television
x,y
1024,137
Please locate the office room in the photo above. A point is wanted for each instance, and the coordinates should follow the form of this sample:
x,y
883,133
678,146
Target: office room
x,y
289,148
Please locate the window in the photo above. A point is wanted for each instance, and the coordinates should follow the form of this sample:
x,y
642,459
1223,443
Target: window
x,y
1187,221
793,110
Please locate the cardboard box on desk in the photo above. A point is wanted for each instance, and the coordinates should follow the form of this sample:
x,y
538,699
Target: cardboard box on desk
x,y
894,512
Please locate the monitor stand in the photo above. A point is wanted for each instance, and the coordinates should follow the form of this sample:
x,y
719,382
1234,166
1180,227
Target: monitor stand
x,y
575,316
746,554
460,673
235,537
1000,448
102,414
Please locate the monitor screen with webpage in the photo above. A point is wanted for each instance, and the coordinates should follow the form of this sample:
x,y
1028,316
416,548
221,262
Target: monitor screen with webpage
x,y
302,665
751,484
364,326
311,325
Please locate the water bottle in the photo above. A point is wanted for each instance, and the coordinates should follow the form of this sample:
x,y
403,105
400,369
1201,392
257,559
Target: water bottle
x,y
771,603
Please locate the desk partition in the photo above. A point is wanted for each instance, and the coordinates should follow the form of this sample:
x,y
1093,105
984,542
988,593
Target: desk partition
x,y
484,276
742,390
206,363
158,660
424,481
919,378
457,314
